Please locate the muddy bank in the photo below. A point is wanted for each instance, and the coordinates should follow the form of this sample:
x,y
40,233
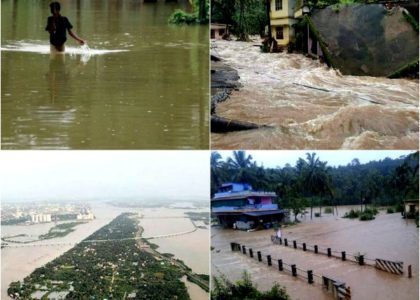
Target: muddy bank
x,y
309,105
224,80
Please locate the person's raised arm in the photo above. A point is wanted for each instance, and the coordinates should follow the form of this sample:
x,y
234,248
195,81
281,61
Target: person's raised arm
x,y
78,39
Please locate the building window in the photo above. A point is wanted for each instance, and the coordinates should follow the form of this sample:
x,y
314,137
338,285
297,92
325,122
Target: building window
x,y
279,4
279,33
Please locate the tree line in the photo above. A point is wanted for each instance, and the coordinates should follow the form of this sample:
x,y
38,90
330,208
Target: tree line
x,y
312,182
250,17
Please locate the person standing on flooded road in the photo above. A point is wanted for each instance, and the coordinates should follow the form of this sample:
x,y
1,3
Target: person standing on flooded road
x,y
57,25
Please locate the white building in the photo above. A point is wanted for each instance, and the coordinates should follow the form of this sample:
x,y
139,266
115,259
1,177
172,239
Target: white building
x,y
41,218
87,216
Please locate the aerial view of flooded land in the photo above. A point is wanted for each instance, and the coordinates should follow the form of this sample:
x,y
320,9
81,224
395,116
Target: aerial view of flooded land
x,y
299,75
356,239
124,247
139,82
175,253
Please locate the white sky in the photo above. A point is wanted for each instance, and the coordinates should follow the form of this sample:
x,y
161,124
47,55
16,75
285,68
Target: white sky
x,y
273,158
75,175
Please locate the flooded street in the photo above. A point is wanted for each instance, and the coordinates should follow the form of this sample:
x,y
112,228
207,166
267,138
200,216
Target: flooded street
x,y
17,263
387,237
312,107
143,84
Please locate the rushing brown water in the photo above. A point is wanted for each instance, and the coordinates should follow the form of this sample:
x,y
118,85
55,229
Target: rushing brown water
x,y
349,112
387,237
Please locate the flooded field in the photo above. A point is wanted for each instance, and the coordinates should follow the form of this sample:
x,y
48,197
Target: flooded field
x,y
143,84
312,107
17,263
387,237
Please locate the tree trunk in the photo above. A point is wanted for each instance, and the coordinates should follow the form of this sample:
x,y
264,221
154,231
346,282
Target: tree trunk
x,y
312,204
267,3
202,11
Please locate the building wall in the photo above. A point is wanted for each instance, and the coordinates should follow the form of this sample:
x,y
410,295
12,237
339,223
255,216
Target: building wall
x,y
266,200
288,9
283,18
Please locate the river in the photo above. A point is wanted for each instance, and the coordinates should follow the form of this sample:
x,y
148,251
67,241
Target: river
x,y
17,263
387,237
143,85
310,106
192,248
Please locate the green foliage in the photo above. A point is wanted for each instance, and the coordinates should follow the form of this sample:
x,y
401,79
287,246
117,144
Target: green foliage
x,y
390,210
406,70
200,14
352,214
371,210
317,215
328,210
410,19
245,289
245,16
366,216
59,230
181,17
15,221
399,207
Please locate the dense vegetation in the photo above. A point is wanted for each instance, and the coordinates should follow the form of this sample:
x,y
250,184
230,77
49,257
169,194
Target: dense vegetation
x,y
59,230
200,14
16,221
110,269
245,289
244,16
248,17
311,182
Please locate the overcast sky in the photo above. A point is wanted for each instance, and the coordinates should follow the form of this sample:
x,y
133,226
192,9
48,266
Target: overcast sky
x,y
274,158
75,175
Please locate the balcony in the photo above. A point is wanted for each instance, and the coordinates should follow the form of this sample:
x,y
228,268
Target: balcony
x,y
245,208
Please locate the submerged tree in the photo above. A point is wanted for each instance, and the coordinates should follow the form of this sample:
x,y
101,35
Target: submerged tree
x,y
245,289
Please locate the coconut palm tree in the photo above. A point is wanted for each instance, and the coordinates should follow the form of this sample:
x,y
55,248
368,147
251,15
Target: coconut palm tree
x,y
240,160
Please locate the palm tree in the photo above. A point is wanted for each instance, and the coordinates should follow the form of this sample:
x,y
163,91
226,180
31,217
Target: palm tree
x,y
240,160
215,165
314,174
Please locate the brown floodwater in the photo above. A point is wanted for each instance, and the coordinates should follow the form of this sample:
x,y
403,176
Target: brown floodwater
x,y
142,85
191,248
387,237
349,112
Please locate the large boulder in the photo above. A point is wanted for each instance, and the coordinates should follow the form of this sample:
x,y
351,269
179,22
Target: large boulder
x,y
367,39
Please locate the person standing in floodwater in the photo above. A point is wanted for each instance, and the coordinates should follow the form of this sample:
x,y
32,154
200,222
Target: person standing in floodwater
x,y
57,26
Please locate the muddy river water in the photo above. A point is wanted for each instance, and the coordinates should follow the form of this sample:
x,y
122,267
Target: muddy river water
x,y
143,84
387,237
312,107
